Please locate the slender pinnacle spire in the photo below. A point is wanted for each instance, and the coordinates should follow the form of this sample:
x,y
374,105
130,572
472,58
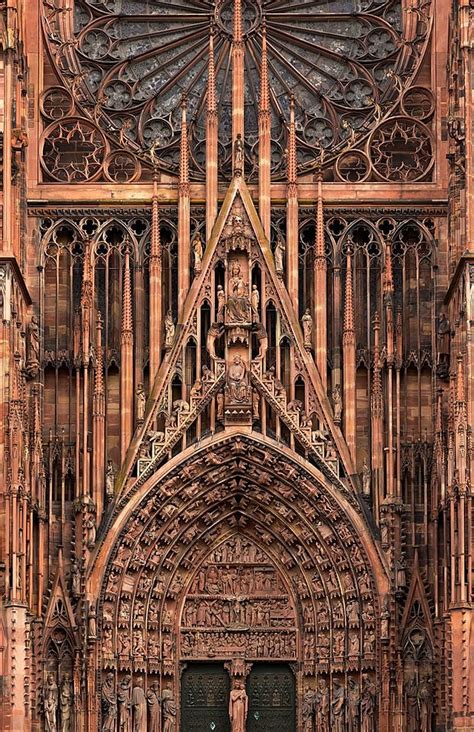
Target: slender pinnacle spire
x,y
264,106
291,169
460,392
377,376
349,299
319,244
86,292
127,318
211,79
184,147
155,244
388,279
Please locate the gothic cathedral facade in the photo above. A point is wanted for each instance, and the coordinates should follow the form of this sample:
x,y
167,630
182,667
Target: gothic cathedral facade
x,y
236,365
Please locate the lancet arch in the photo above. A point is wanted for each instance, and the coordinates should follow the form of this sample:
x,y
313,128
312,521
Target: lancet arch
x,y
237,551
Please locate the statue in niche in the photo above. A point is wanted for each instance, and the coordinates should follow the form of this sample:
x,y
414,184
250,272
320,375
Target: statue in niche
x,y
367,705
338,705
220,303
154,708
238,152
237,388
169,711
255,303
238,305
198,252
322,706
139,707
92,622
109,704
262,338
169,330
307,324
141,402
443,344
425,702
50,702
91,531
337,403
279,255
66,699
238,706
75,580
124,704
109,481
214,332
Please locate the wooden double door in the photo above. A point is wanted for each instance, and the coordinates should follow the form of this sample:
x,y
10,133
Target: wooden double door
x,y
205,690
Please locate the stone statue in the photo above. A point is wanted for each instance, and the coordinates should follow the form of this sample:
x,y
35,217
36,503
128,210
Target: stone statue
x,y
198,252
411,701
262,338
238,305
66,700
322,706
238,707
220,303
255,303
444,332
91,531
139,707
425,702
33,347
169,711
92,622
308,710
353,706
307,324
385,621
141,402
169,330
75,580
367,706
109,481
213,334
402,572
366,478
279,255
124,704
337,403
154,708
50,697
109,704
238,151
338,704
236,380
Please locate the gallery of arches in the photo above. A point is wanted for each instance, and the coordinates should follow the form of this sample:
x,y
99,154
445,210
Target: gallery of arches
x,y
236,365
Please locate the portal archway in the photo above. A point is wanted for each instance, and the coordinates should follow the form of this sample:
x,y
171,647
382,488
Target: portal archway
x,y
239,552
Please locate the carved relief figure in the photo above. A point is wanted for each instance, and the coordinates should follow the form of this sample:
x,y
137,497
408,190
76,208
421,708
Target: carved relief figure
x,y
255,302
279,255
109,481
141,402
169,330
238,706
367,706
338,705
425,702
169,711
154,708
139,707
198,252
307,710
337,403
307,323
124,704
238,151
220,303
322,706
237,387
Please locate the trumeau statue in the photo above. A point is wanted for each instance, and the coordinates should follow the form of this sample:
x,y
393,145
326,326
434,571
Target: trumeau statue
x,y
238,707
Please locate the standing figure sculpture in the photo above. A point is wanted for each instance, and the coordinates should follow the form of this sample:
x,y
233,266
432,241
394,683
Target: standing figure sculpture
x,y
255,302
308,710
109,704
238,707
337,403
322,706
425,702
50,698
169,711
198,252
237,385
307,323
238,304
238,152
139,707
367,706
154,708
338,706
169,330
141,402
66,699
124,703
220,303
279,255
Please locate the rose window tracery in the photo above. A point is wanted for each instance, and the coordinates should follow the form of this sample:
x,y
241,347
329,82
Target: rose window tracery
x,y
129,63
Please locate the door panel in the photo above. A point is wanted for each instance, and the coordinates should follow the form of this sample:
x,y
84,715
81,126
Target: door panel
x,y
271,692
205,692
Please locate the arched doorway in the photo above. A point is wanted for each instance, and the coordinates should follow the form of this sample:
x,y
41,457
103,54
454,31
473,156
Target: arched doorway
x,y
235,556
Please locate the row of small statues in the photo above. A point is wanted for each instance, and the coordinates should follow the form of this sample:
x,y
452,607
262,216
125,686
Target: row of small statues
x,y
350,709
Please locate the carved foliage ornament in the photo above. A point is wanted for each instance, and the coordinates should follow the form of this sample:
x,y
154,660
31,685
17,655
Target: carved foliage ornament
x,y
132,62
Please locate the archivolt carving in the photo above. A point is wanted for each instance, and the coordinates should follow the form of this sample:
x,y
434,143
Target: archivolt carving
x,y
238,553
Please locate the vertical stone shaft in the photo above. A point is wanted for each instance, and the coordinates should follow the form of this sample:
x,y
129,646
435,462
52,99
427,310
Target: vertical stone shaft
x,y
388,298
184,215
320,288
212,123
126,360
155,286
376,414
264,142
292,214
86,313
238,89
349,362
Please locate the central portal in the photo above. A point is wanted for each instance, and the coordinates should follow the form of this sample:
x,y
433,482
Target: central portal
x,y
205,696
